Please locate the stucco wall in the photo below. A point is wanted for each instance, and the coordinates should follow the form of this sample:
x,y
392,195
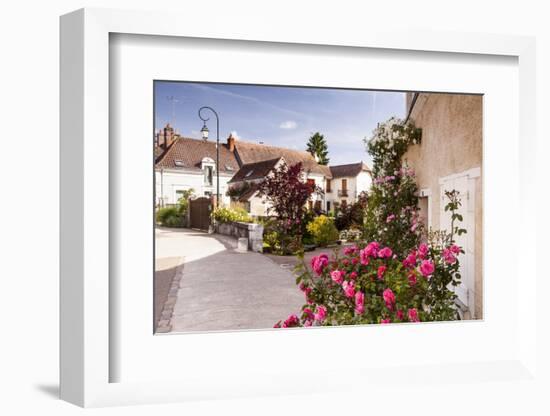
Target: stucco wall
x,y
172,181
355,185
451,144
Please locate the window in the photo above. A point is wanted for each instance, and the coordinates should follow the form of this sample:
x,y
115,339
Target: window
x,y
328,186
208,174
344,190
328,206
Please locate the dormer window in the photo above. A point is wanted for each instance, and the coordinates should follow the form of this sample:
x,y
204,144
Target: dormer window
x,y
208,175
179,163
208,165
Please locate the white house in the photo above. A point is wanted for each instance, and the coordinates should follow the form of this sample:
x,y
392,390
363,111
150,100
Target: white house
x,y
191,164
347,182
184,163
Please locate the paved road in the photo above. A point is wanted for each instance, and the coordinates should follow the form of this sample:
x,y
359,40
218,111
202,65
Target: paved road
x,y
222,289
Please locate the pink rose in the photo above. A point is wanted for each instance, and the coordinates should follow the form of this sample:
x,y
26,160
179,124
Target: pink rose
x,y
359,303
354,260
426,268
337,276
353,275
349,289
318,263
291,321
455,249
448,256
371,250
350,250
385,253
413,315
308,322
308,313
321,313
381,271
422,251
410,260
364,257
345,262
390,218
412,279
385,321
400,314
389,298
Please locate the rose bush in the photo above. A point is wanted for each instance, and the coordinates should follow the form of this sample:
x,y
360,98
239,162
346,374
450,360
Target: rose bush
x,y
368,283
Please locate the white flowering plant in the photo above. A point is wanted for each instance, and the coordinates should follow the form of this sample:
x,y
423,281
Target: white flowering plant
x,y
392,216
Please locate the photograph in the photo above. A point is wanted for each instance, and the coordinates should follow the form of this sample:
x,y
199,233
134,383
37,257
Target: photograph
x,y
300,206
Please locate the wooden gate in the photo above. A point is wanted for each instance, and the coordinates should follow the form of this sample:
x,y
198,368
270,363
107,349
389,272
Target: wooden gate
x,y
199,213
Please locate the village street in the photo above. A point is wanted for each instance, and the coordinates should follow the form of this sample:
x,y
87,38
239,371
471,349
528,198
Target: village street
x,y
220,288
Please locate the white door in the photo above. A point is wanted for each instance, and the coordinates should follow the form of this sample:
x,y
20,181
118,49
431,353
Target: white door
x,y
466,187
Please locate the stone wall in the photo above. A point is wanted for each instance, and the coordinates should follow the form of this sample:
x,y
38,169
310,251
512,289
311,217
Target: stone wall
x,y
253,232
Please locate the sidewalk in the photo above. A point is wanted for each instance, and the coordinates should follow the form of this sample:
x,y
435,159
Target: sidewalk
x,y
222,289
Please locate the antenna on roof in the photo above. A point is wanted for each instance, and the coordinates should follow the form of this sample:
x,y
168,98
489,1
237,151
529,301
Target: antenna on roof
x,y
174,100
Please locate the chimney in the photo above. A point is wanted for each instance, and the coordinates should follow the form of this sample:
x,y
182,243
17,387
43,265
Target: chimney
x,y
231,142
168,135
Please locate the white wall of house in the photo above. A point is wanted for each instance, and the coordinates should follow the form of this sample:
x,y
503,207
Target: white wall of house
x,y
321,183
169,182
355,185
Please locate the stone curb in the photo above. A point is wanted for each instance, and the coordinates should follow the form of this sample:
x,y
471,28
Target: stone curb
x,y
165,322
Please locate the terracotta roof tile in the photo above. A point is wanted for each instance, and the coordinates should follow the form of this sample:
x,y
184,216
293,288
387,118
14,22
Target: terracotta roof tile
x,y
187,154
253,152
256,170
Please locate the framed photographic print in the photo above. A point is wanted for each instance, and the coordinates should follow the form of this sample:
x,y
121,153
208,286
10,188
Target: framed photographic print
x,y
235,209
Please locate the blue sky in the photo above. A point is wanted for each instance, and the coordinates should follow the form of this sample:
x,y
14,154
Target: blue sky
x,y
280,116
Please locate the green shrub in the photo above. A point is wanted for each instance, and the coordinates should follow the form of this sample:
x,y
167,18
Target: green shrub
x,y
183,201
223,214
323,230
169,217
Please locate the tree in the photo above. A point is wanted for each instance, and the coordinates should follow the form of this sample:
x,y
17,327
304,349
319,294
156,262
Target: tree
x,y
317,146
392,216
287,191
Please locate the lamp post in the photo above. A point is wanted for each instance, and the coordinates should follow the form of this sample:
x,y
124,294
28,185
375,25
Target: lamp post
x,y
204,132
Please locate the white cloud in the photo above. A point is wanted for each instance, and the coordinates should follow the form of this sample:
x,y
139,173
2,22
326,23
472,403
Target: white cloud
x,y
234,134
288,125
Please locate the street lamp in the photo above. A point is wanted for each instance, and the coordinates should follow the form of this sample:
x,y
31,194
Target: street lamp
x,y
204,132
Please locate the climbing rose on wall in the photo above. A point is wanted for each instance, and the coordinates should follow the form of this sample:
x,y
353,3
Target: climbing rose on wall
x,y
391,215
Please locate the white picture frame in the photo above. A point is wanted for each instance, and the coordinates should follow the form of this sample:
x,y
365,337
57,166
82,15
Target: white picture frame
x,y
86,290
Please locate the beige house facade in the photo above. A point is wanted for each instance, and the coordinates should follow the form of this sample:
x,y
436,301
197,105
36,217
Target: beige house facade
x,y
449,157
